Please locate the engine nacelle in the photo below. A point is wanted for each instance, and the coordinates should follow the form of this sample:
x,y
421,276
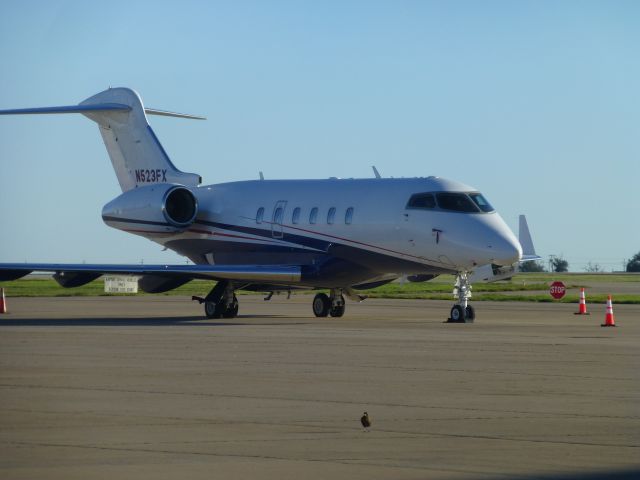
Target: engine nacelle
x,y
160,208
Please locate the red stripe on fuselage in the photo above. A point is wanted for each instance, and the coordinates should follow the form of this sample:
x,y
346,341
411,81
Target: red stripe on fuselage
x,y
206,232
359,243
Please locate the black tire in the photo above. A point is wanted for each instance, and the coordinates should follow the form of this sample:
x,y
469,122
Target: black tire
x,y
470,313
321,305
232,310
457,314
211,310
338,311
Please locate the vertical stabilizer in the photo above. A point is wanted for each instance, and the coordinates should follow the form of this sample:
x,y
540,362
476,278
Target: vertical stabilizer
x,y
135,152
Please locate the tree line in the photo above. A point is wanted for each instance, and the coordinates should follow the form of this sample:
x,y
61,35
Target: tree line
x,y
559,264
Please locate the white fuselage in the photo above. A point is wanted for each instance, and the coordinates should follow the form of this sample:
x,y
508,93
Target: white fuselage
x,y
363,221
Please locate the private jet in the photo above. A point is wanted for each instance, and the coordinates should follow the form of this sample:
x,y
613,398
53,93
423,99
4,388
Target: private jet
x,y
343,236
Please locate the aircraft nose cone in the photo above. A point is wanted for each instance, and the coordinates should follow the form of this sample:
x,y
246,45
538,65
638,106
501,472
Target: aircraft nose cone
x,y
506,250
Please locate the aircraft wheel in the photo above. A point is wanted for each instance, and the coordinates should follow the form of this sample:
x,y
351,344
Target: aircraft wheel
x,y
321,305
211,310
232,310
457,314
338,311
470,314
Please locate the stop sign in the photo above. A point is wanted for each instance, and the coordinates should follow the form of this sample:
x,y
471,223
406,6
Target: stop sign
x,y
557,290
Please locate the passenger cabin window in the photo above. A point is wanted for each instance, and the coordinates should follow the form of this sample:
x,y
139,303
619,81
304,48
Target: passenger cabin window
x,y
260,215
313,215
348,216
295,218
456,202
331,215
277,216
422,200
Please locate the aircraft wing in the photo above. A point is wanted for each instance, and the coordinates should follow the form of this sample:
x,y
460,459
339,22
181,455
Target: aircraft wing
x,y
75,275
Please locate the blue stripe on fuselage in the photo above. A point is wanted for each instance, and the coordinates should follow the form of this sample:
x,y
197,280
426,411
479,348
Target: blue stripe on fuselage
x,y
291,243
305,241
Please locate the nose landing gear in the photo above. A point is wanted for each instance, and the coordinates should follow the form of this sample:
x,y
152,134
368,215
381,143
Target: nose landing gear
x,y
462,312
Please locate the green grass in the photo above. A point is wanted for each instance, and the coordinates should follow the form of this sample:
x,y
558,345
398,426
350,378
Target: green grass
x,y
47,287
522,288
579,277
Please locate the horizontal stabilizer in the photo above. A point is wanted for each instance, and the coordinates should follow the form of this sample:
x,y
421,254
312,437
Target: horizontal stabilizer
x,y
253,273
102,107
164,113
96,107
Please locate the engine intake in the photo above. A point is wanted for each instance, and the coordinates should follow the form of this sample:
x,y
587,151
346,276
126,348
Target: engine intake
x,y
180,207
153,208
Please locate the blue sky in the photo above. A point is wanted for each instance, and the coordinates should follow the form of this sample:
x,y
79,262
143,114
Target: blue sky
x,y
536,104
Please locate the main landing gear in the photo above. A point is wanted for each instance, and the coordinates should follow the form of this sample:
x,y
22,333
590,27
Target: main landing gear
x,y
333,304
462,312
221,302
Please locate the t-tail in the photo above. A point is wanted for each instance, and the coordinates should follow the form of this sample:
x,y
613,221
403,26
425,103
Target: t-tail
x,y
135,152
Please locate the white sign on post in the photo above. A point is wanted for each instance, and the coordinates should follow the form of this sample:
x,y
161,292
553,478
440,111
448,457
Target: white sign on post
x,y
120,284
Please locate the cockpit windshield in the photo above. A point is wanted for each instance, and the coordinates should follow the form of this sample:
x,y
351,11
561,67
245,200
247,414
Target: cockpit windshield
x,y
481,202
456,202
450,201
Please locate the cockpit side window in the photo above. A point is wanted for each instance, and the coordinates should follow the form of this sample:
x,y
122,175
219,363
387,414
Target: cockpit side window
x,y
481,202
456,202
422,200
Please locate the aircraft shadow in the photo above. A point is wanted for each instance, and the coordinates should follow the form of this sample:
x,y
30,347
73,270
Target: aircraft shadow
x,y
193,321
630,474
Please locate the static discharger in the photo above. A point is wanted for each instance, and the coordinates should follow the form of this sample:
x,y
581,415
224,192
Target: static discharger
x,y
582,308
609,321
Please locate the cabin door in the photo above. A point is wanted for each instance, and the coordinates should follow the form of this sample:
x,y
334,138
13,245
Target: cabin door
x,y
278,218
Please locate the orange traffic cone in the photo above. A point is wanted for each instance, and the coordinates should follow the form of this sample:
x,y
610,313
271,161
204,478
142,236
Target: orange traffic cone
x,y
582,308
609,321
3,302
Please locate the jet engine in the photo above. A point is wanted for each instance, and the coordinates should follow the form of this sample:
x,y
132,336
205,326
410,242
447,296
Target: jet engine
x,y
158,208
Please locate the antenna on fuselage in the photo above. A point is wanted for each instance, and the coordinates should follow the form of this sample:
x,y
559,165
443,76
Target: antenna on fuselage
x,y
375,171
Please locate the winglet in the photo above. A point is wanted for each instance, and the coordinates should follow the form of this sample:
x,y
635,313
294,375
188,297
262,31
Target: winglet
x,y
528,250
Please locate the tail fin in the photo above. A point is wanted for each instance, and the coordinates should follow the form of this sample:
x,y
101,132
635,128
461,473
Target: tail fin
x,y
528,251
135,152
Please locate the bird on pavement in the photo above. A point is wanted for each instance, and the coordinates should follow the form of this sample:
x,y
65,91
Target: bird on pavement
x,y
365,421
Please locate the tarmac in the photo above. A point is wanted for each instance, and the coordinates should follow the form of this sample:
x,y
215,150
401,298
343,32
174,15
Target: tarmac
x,y
146,388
